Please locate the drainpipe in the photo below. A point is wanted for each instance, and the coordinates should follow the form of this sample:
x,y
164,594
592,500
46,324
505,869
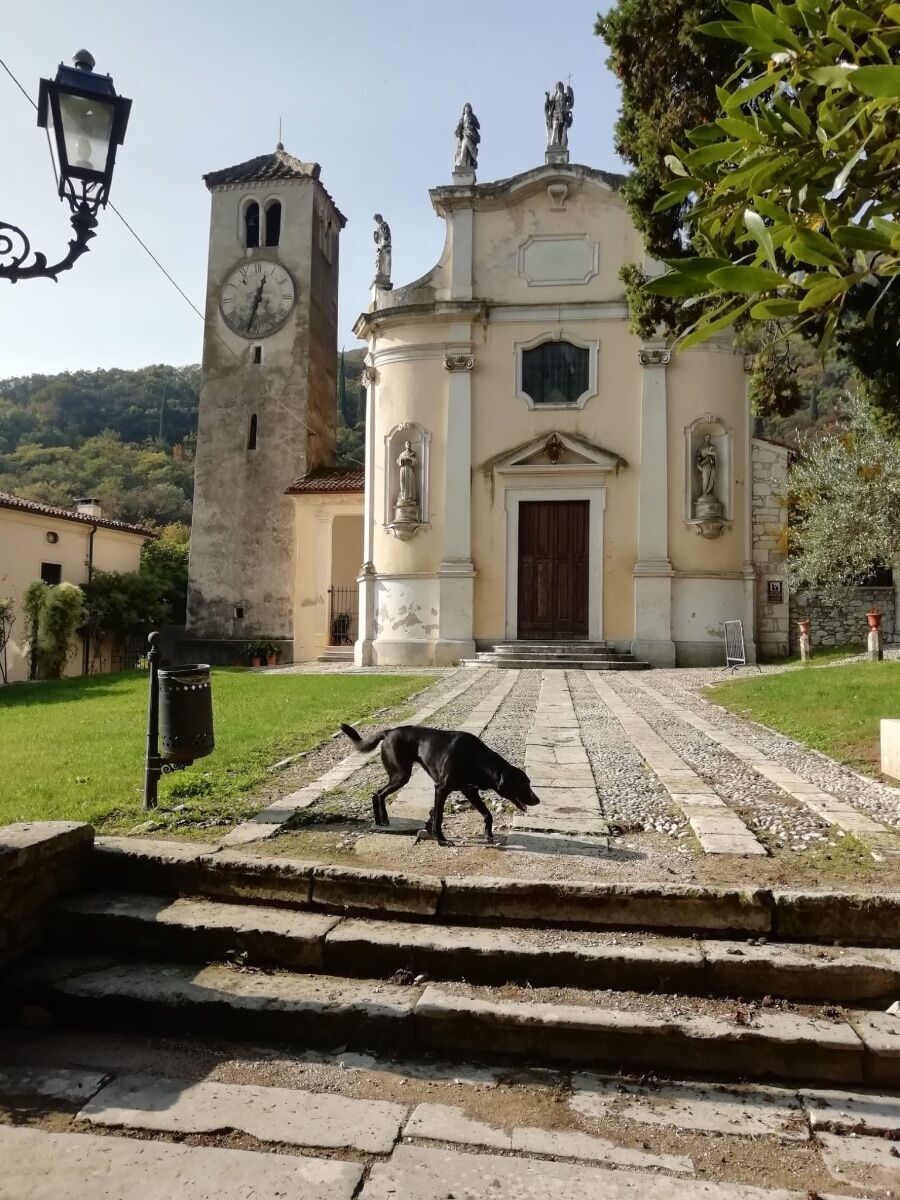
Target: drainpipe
x,y
86,649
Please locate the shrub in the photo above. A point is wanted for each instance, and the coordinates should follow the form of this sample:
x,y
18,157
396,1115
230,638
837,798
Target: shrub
x,y
62,613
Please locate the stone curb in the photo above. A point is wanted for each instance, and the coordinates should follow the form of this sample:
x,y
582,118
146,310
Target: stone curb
x,y
200,930
323,1010
171,868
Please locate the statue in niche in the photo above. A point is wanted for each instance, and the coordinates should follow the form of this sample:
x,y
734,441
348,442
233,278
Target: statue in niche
x,y
382,237
558,115
406,508
468,136
708,506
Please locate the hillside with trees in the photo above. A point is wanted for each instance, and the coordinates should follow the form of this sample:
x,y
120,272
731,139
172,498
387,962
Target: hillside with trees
x,y
126,437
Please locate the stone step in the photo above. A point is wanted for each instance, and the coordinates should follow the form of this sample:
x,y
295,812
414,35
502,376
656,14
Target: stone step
x,y
84,1166
201,930
370,1014
342,655
167,867
582,649
547,663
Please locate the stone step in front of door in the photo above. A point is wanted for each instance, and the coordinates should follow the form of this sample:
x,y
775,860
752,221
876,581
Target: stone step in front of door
x,y
202,930
556,663
322,1010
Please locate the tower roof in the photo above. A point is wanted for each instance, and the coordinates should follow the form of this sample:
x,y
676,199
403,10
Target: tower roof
x,y
277,165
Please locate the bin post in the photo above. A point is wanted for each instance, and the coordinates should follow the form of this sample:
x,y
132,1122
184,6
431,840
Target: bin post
x,y
153,764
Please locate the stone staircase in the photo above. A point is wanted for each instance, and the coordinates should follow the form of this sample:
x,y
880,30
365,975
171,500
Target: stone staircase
x,y
560,656
336,654
180,937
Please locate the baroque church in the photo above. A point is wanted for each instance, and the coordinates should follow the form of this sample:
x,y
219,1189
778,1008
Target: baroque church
x,y
534,473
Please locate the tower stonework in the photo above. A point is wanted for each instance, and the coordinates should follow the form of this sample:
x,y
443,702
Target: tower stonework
x,y
267,399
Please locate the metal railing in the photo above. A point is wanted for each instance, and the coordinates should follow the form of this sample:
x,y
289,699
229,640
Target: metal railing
x,y
343,615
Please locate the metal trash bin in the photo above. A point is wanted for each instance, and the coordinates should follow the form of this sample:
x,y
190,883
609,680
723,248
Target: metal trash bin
x,y
185,713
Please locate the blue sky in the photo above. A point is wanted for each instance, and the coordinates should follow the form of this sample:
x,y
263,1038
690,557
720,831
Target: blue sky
x,y
372,91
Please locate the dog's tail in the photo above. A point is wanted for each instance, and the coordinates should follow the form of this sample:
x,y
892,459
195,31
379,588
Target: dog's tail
x,y
363,745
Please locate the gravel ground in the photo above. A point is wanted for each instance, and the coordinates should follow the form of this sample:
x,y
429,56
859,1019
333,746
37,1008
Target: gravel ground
x,y
784,822
631,796
880,802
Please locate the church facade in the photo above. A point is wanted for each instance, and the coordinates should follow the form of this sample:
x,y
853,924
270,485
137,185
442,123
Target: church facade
x,y
533,471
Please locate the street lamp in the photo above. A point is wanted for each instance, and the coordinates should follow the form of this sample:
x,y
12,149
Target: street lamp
x,y
88,121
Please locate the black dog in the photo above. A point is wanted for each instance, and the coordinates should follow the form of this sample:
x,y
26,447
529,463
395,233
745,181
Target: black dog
x,y
457,762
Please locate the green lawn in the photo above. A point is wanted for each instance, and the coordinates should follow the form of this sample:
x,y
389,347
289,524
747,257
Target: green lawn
x,y
74,750
836,710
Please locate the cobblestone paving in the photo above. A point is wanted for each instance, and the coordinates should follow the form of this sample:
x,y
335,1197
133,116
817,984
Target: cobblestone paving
x,y
880,802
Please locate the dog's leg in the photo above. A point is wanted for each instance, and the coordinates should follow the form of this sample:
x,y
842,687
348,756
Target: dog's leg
x,y
379,799
474,798
437,814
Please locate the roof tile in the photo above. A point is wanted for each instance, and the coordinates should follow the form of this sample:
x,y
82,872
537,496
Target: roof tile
x,y
8,500
329,480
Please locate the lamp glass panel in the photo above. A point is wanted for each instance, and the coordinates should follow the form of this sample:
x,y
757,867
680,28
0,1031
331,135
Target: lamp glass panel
x,y
87,130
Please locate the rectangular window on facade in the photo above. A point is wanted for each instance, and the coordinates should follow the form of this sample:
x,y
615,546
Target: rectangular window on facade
x,y
257,356
51,573
555,373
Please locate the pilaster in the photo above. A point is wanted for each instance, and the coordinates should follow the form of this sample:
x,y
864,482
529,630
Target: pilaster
x,y
653,570
362,651
457,573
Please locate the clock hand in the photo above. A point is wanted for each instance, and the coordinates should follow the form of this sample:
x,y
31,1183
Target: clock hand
x,y
256,300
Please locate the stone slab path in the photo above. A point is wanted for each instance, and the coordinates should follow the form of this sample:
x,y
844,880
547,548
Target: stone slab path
x,y
831,809
718,828
331,1145
639,751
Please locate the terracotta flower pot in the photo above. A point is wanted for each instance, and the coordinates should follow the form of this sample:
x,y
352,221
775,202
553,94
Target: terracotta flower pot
x,y
256,661
805,625
873,616
272,660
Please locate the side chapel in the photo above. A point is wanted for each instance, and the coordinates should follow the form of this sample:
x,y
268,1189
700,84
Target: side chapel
x,y
533,471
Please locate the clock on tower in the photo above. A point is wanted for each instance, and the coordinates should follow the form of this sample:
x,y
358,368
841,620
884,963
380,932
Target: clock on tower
x,y
267,396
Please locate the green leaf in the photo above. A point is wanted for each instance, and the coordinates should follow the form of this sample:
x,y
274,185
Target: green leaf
x,y
746,279
705,329
739,128
699,267
856,237
747,35
674,165
679,190
811,247
852,18
759,231
768,309
716,152
881,82
674,285
832,76
720,29
890,229
762,83
766,20
826,291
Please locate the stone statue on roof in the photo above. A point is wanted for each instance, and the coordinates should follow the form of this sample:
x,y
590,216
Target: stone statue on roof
x,y
558,107
468,135
382,237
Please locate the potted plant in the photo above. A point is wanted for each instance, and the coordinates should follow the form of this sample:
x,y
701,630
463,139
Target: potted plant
x,y
256,651
804,625
273,654
873,616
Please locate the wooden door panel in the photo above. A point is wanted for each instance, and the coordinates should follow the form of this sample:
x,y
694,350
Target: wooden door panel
x,y
553,569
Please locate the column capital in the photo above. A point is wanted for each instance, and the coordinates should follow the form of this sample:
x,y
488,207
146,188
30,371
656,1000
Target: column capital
x,y
654,356
369,375
459,362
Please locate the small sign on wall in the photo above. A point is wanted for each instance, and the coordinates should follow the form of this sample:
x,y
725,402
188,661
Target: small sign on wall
x,y
775,591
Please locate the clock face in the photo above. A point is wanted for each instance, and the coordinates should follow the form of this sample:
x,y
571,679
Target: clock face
x,y
257,298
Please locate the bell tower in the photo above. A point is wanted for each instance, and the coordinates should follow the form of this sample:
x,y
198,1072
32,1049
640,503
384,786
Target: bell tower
x,y
267,396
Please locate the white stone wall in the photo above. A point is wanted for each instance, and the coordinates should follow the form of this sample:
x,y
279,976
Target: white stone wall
x,y
843,624
769,536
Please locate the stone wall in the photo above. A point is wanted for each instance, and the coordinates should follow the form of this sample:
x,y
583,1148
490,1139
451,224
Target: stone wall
x,y
769,526
39,860
844,624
